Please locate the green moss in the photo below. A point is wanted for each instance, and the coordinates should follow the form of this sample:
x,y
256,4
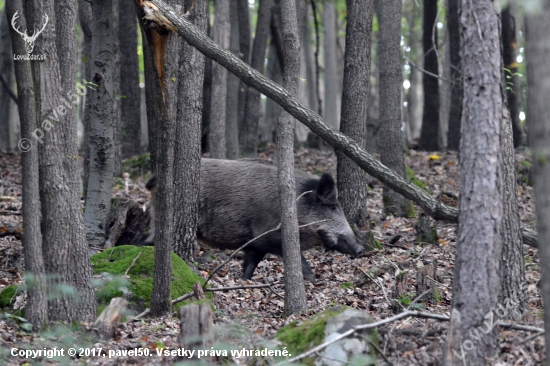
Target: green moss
x,y
116,261
416,181
7,296
347,285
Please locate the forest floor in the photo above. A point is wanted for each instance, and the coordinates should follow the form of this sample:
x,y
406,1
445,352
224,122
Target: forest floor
x,y
246,318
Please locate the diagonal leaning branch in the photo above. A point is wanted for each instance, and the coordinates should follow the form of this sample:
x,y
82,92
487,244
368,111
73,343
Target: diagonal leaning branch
x,y
251,77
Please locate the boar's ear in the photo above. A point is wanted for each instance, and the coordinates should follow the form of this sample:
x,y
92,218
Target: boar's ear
x,y
151,184
326,190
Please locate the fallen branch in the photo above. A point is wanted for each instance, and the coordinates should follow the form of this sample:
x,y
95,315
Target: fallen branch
x,y
289,103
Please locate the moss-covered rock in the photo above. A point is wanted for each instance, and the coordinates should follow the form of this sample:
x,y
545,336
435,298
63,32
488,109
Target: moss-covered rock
x,y
299,338
116,261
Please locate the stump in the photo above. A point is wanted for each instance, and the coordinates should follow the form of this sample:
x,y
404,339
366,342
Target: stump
x,y
425,230
425,281
109,319
128,223
196,326
399,290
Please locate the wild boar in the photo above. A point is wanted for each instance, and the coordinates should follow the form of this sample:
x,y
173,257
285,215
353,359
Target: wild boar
x,y
239,201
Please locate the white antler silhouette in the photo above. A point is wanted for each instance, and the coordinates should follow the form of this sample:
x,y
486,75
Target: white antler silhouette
x,y
29,40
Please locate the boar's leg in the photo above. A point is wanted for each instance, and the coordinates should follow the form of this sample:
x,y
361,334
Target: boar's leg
x,y
307,271
251,260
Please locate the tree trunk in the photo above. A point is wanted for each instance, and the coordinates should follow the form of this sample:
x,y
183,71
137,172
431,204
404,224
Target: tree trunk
x,y
117,127
511,81
37,305
390,138
272,109
216,134
352,180
66,255
312,120
86,23
295,296
537,52
161,49
331,65
188,145
455,113
130,104
245,42
102,154
249,129
476,284
430,117
233,82
6,81
512,266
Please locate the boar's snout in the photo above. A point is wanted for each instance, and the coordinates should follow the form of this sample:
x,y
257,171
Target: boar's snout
x,y
349,245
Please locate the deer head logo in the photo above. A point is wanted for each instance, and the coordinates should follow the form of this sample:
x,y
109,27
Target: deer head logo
x,y
29,40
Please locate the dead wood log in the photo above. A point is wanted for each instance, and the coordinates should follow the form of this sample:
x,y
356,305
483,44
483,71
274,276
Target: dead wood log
x,y
128,223
109,319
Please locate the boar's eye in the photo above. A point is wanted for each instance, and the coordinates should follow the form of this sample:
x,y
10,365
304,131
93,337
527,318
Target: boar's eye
x,y
333,208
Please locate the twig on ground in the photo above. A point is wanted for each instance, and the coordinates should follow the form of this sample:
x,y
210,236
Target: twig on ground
x,y
132,264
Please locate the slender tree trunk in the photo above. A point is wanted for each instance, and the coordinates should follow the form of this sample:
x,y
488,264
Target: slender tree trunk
x,y
6,71
102,154
233,82
216,134
331,64
476,284
390,139
455,113
245,43
130,103
207,97
188,144
295,296
161,49
249,129
537,52
512,266
512,84
37,304
66,255
86,23
272,109
117,127
352,181
430,117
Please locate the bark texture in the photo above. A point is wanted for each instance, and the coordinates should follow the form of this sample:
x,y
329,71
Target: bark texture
x,y
537,50
512,265
188,146
102,120
352,180
331,64
6,81
476,284
37,304
245,43
66,255
130,104
233,82
312,120
216,133
430,118
455,113
390,138
249,129
295,295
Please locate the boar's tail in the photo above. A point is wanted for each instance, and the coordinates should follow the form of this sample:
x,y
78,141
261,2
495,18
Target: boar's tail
x,y
148,238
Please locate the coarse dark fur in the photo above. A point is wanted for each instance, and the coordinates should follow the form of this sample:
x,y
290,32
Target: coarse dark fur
x,y
239,201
